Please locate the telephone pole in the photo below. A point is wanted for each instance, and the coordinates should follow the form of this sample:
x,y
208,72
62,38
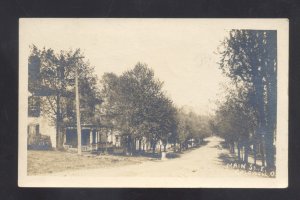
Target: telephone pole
x,y
78,113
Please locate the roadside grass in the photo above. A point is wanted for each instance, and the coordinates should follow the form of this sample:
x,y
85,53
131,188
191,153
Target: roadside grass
x,y
47,162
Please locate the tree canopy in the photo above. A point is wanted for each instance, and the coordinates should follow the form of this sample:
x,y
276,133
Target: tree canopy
x,y
249,58
138,105
51,77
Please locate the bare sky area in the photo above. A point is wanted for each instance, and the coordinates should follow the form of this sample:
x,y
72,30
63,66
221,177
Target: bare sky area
x,y
181,52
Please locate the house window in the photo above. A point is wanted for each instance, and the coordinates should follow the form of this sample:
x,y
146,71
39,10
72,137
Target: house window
x,y
33,106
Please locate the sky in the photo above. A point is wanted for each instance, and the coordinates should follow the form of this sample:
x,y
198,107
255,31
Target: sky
x,y
182,52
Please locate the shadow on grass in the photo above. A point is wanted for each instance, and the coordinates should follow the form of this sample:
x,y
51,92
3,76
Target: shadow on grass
x,y
227,159
177,154
220,146
254,169
146,154
123,154
172,155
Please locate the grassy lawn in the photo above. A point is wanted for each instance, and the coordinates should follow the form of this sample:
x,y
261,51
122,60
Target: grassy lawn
x,y
47,162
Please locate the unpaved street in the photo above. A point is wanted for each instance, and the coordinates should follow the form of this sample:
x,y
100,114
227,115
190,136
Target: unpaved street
x,y
201,162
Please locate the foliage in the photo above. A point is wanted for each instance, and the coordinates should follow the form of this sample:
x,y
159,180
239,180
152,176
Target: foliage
x,y
249,58
191,127
137,104
51,77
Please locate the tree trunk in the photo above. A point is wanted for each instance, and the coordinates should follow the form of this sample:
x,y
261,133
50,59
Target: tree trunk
x,y
174,146
153,148
269,149
140,145
239,151
260,102
129,145
106,142
246,153
59,134
271,79
255,151
232,147
242,152
134,145
147,146
262,147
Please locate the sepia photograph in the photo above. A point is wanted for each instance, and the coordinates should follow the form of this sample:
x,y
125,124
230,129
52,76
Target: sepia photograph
x,y
153,103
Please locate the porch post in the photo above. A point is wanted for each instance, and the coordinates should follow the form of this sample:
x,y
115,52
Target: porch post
x,y
91,136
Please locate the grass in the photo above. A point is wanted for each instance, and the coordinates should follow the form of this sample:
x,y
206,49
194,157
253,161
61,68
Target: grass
x,y
47,162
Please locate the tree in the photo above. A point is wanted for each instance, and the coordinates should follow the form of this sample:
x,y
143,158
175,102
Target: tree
x,y
53,82
249,58
138,105
191,128
163,117
236,122
182,132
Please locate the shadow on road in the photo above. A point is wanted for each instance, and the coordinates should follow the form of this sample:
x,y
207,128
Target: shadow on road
x,y
149,154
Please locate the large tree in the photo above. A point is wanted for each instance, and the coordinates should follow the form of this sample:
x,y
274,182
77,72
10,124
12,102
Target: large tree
x,y
136,102
51,78
249,58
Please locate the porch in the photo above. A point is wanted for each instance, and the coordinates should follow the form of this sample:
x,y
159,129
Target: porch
x,y
92,139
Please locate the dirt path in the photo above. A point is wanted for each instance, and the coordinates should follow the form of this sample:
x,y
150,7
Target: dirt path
x,y
201,162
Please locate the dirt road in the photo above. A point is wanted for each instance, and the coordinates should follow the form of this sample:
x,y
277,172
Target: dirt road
x,y
201,162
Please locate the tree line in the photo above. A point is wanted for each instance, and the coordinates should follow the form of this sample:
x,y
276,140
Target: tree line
x,y
133,103
247,117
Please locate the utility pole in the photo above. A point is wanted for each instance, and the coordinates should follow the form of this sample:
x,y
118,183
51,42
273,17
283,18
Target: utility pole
x,y
78,113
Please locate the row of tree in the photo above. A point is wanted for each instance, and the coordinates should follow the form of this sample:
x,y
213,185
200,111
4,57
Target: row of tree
x,y
247,117
191,128
140,109
134,103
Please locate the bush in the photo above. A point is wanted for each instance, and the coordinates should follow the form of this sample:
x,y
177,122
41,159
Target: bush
x,y
40,142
